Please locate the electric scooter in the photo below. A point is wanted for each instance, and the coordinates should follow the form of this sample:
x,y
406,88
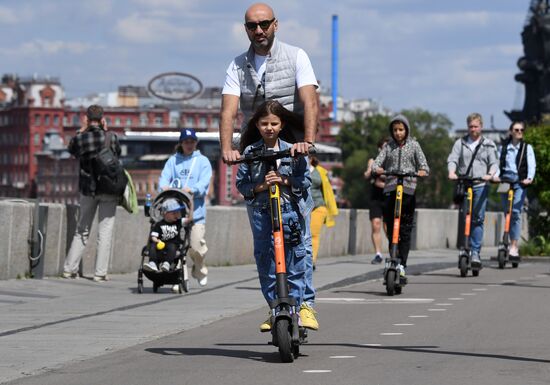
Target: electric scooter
x,y
465,253
503,255
286,332
393,281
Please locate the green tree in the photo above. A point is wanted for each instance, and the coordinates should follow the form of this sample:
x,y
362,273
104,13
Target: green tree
x,y
539,218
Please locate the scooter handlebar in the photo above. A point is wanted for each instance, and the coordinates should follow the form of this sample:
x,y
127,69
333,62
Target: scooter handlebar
x,y
271,155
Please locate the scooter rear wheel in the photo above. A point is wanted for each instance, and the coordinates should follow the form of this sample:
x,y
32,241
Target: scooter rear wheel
x,y
390,282
463,266
284,340
501,257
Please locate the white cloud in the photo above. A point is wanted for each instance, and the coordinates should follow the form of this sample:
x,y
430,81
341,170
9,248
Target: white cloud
x,y
7,16
144,29
173,4
295,33
52,47
98,7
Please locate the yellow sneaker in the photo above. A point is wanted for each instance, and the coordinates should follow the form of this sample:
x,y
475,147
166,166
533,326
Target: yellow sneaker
x,y
266,325
307,316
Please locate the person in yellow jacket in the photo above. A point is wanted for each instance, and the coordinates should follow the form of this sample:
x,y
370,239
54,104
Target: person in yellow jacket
x,y
325,205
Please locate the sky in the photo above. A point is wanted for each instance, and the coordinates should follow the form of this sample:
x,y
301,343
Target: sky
x,y
449,57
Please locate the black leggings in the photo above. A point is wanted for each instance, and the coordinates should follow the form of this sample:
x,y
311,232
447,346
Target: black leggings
x,y
168,254
407,222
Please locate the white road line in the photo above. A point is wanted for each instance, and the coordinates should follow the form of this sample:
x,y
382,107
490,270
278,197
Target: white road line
x,y
494,285
443,304
455,299
371,344
403,324
391,334
418,316
318,371
341,299
541,275
468,293
342,357
437,309
480,289
414,300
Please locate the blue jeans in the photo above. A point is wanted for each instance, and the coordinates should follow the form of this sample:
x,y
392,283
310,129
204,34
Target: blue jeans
x,y
264,253
478,216
309,293
517,205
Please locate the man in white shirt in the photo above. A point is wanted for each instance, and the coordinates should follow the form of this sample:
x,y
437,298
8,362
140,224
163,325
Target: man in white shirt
x,y
260,27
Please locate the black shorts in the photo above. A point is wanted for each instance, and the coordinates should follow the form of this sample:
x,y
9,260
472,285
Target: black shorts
x,y
376,209
376,204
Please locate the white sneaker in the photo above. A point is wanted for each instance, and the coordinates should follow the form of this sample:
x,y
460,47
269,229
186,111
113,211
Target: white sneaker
x,y
176,288
165,266
150,266
203,281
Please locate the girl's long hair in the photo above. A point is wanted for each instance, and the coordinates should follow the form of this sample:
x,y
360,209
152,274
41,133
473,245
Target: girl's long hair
x,y
290,120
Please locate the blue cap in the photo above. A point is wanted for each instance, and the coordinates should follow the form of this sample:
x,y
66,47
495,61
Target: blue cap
x,y
188,133
170,205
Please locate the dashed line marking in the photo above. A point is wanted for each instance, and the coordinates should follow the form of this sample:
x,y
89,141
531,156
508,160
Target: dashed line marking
x,y
391,334
342,357
494,285
480,289
371,345
443,304
455,299
468,293
437,309
318,371
418,316
403,324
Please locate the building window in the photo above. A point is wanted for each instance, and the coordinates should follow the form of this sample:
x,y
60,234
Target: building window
x,y
65,121
37,120
189,122
128,121
36,139
143,120
202,122
158,120
76,120
46,120
118,122
56,120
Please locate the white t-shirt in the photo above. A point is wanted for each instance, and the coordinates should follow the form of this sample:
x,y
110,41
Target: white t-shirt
x,y
473,144
304,73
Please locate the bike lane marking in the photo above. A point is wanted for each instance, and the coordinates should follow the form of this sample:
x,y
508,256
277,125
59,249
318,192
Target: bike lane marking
x,y
318,371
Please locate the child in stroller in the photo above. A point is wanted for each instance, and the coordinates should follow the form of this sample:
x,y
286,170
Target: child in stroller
x,y
171,218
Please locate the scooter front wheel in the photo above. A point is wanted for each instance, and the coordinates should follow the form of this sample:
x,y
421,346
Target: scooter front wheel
x,y
284,340
390,282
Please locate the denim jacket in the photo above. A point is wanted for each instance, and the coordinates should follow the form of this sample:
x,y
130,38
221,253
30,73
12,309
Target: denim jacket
x,y
252,174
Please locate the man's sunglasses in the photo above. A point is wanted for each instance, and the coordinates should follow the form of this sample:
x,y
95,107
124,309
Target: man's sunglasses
x,y
264,24
519,129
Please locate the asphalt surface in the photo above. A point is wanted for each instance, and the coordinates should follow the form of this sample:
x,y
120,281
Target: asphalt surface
x,y
82,332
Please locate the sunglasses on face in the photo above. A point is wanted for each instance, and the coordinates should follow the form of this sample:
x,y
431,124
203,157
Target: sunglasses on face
x,y
264,24
519,129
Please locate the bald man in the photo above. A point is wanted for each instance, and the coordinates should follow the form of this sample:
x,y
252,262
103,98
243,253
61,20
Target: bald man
x,y
272,70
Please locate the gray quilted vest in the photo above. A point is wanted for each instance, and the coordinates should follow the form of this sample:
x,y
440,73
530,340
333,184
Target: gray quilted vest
x,y
280,80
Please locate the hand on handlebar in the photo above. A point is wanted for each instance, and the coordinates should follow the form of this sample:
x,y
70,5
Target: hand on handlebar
x,y
452,175
231,156
301,148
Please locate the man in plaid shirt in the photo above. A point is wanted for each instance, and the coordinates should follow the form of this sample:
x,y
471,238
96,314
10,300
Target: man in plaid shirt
x,y
89,140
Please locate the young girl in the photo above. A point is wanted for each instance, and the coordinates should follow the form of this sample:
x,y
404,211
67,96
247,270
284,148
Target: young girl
x,y
401,154
266,129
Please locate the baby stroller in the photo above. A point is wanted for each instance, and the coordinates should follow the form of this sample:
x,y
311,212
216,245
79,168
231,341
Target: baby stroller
x,y
178,274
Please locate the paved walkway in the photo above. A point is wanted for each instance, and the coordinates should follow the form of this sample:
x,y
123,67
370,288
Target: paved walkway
x,y
48,323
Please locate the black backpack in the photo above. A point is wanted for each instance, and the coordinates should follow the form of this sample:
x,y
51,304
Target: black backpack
x,y
108,171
